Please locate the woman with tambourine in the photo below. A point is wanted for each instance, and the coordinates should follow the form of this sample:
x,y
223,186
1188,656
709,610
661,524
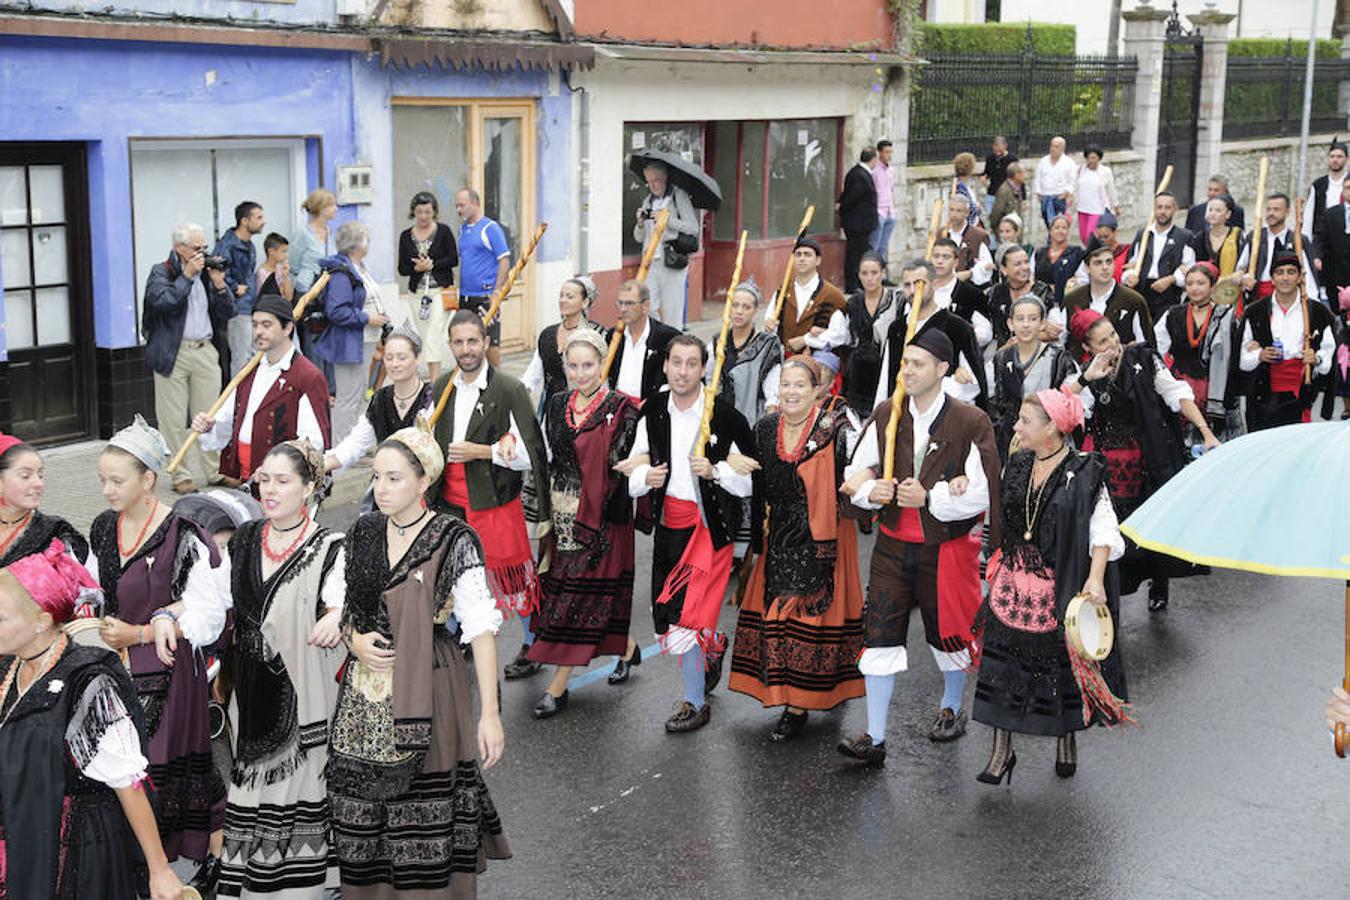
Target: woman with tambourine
x,y
1044,668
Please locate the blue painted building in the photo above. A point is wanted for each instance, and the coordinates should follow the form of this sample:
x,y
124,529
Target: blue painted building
x,y
117,126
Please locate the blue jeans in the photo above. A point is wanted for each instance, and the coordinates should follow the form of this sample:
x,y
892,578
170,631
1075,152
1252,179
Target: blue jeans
x,y
1051,207
989,211
881,236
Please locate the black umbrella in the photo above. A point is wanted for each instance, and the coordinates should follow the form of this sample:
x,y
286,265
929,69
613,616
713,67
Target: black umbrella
x,y
683,174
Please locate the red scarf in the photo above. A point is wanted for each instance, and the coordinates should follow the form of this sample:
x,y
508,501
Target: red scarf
x,y
703,572
506,545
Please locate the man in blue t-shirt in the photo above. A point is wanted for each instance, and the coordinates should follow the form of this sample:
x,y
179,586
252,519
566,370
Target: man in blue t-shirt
x,y
484,260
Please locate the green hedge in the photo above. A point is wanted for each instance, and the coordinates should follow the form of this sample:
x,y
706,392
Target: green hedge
x,y
1326,48
996,39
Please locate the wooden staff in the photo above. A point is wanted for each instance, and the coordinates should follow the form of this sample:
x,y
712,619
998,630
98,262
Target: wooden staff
x,y
315,290
1260,211
494,306
898,396
658,229
1148,230
933,226
787,272
710,391
1302,297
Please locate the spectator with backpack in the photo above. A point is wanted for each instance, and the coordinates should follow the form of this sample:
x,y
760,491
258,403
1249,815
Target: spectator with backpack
x,y
356,317
309,244
186,315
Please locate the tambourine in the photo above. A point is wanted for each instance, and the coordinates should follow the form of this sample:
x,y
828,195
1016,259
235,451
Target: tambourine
x,y
191,893
1089,628
88,633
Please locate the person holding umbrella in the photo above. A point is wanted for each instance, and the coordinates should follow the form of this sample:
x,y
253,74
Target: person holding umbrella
x,y
669,184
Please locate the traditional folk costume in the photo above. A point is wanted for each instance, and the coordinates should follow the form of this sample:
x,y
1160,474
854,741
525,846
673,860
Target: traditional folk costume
x,y
285,690
1016,378
41,530
273,404
1124,308
1132,420
382,417
926,558
799,631
1169,252
1030,680
1273,244
866,346
1225,256
968,302
547,374
639,365
695,522
189,795
1057,271
1001,302
1276,392
488,408
1200,345
962,335
411,813
586,595
814,304
67,743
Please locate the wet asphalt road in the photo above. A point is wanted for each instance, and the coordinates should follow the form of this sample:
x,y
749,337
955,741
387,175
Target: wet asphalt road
x,y
1228,789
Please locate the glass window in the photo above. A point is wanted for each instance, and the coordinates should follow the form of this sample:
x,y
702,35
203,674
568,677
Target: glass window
x,y
682,138
752,178
726,140
13,199
49,193
803,169
501,176
431,153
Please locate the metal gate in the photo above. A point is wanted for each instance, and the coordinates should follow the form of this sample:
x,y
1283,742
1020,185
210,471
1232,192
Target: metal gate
x,y
1179,121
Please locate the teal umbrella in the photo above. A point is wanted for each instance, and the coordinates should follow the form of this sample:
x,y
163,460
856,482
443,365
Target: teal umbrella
x,y
1265,502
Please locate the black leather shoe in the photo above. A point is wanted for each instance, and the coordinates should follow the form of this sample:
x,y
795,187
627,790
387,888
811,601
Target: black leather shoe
x,y
948,726
522,666
549,705
686,718
788,727
860,747
624,667
208,873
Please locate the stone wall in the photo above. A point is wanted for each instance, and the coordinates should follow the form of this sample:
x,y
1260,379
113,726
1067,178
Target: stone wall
x,y
919,186
1241,161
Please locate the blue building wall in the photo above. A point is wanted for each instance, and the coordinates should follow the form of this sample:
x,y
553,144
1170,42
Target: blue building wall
x,y
104,93
299,12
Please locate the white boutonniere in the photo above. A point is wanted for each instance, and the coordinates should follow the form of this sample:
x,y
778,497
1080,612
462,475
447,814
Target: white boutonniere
x,y
811,445
417,576
932,447
712,440
281,382
609,418
1138,368
480,407
56,686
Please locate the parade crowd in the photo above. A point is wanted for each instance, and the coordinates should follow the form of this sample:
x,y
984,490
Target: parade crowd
x,y
225,680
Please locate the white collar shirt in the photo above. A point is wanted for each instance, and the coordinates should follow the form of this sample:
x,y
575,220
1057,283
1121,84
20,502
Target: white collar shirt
x,y
634,358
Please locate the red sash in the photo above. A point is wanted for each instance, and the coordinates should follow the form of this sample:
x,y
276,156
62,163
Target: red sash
x,y
506,546
244,453
1286,376
702,571
909,529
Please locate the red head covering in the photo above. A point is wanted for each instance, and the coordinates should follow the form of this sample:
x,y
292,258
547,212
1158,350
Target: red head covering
x,y
1064,408
53,580
1209,269
7,441
1082,323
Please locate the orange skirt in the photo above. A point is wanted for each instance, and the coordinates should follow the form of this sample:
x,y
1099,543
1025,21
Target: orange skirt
x,y
784,658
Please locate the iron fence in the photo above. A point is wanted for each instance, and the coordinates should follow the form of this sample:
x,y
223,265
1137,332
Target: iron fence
x,y
959,102
1263,95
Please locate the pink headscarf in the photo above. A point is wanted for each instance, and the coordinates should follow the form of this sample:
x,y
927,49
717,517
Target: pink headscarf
x,y
53,580
1063,407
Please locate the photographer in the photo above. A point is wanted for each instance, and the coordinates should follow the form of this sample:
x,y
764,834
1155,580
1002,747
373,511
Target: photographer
x,y
355,316
186,314
667,282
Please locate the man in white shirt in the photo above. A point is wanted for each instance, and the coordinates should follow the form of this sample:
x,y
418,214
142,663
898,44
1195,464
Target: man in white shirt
x,y
1167,256
946,477
1276,237
951,291
1055,174
691,502
1325,191
285,397
637,368
814,315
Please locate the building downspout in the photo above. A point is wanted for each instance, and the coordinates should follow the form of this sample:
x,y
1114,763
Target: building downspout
x,y
583,177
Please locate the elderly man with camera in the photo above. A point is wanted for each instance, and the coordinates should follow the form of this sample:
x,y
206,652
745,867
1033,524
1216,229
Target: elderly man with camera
x,y
670,265
185,317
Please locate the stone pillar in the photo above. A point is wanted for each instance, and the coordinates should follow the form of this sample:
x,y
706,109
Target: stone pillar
x,y
1145,35
1213,29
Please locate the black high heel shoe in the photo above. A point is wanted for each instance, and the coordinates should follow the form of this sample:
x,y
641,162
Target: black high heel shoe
x,y
624,667
207,875
789,726
1066,756
995,773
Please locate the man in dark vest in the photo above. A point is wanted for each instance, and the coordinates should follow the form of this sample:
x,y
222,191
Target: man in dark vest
x,y
1325,191
1277,236
693,505
974,264
928,545
960,295
1165,260
637,369
965,377
1125,308
492,440
1276,355
285,397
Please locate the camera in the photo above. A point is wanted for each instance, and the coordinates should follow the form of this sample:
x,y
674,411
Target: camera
x,y
214,262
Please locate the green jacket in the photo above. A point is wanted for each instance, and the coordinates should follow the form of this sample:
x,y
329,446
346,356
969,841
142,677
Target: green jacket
x,y
490,484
